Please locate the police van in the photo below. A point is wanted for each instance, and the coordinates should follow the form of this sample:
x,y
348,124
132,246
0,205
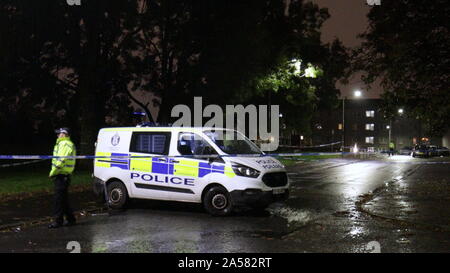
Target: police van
x,y
220,168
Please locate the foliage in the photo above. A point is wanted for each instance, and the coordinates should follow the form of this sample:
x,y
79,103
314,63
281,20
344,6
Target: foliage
x,y
407,46
80,65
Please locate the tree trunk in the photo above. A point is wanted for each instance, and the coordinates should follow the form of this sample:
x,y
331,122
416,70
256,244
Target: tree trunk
x,y
165,108
90,117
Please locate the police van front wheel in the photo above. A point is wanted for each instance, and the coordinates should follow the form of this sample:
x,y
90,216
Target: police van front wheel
x,y
117,195
217,201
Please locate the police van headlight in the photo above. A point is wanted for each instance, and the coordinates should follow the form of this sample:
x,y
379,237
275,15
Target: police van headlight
x,y
242,170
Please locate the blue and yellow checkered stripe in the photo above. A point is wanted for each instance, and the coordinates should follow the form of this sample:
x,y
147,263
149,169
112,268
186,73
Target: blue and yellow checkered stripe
x,y
114,160
181,167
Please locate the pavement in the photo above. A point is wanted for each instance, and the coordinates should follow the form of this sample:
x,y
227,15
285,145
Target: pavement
x,y
25,210
415,198
396,204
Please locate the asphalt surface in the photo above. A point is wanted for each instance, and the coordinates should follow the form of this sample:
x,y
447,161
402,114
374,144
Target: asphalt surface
x,y
396,204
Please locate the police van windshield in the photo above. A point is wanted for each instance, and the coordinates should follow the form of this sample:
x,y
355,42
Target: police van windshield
x,y
232,142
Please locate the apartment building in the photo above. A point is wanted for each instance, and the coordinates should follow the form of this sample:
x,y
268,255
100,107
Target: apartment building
x,y
363,123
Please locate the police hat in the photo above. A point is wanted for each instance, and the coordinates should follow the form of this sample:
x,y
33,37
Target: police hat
x,y
64,130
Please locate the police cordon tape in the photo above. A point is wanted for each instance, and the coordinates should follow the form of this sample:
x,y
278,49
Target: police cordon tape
x,y
39,158
315,146
43,157
166,158
21,163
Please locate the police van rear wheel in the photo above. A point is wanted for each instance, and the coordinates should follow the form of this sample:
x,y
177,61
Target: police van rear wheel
x,y
217,201
117,195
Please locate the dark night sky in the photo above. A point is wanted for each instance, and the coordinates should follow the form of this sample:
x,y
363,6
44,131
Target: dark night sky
x,y
348,19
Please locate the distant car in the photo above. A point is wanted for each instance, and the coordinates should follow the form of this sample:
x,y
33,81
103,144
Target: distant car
x,y
433,150
385,151
443,151
420,151
405,151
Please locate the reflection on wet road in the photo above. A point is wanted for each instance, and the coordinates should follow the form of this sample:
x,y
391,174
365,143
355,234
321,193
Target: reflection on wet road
x,y
320,216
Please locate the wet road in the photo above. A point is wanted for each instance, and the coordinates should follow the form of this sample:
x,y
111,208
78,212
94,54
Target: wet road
x,y
338,205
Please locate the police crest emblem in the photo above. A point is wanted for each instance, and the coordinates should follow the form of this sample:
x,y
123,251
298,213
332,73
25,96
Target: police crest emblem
x,y
115,139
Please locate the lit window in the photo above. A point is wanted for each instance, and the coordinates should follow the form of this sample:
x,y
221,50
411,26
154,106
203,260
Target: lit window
x,y
370,113
370,139
340,126
370,127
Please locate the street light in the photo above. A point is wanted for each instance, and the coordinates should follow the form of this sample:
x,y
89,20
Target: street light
x,y
390,131
400,111
297,64
309,72
356,94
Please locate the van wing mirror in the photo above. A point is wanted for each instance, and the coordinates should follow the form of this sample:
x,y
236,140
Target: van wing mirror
x,y
184,150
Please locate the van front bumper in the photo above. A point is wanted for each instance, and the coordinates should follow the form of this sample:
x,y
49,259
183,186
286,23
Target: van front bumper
x,y
256,197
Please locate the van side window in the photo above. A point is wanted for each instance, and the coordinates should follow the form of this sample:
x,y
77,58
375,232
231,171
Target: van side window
x,y
193,144
150,142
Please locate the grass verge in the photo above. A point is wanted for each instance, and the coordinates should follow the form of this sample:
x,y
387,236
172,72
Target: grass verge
x,y
33,178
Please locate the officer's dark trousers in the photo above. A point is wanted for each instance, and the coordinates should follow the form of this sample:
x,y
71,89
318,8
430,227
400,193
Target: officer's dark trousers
x,y
61,205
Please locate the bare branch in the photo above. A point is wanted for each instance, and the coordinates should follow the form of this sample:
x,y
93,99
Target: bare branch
x,y
144,106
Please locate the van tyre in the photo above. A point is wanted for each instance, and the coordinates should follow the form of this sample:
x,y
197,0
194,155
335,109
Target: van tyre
x,y
117,195
217,201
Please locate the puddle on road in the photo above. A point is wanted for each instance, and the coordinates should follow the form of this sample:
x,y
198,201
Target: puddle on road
x,y
403,240
284,221
356,232
294,217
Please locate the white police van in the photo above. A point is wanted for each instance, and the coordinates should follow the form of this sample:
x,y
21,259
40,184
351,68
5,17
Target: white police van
x,y
220,168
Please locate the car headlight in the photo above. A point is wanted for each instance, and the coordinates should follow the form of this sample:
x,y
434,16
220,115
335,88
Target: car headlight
x,y
242,170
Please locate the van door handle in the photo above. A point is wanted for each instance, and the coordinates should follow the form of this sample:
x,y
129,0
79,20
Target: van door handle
x,y
162,160
175,161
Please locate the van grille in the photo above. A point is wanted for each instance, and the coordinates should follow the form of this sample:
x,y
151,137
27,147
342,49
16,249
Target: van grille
x,y
273,180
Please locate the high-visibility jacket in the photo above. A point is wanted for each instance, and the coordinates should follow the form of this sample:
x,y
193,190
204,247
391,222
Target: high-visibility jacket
x,y
392,145
63,147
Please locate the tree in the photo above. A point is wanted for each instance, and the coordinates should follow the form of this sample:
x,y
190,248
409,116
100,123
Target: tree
x,y
295,48
407,46
64,60
77,65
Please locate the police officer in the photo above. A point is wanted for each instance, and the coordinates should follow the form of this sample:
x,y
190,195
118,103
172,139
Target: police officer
x,y
62,169
391,148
